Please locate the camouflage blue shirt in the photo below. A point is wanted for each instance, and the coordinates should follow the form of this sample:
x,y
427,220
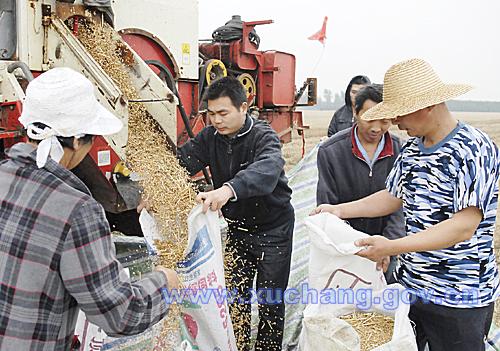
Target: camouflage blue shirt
x,y
434,183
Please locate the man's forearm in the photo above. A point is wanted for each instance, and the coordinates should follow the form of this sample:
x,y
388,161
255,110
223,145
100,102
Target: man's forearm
x,y
450,232
459,228
380,204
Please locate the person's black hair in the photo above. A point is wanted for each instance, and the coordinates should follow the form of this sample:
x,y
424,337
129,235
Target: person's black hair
x,y
66,142
360,80
372,92
227,87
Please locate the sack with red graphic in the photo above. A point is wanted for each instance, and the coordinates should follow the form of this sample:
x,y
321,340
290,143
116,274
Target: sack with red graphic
x,y
333,264
205,313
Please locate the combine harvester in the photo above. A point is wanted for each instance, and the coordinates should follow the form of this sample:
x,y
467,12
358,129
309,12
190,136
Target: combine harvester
x,y
170,72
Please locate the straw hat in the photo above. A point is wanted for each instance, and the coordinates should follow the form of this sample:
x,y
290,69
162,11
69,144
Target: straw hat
x,y
410,86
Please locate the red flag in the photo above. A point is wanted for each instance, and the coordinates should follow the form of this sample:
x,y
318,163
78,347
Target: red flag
x,y
321,34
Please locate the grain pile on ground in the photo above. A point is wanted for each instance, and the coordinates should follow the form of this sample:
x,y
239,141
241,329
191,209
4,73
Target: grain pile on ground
x,y
373,329
166,184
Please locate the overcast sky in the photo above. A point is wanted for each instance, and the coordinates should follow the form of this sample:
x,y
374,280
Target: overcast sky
x,y
460,38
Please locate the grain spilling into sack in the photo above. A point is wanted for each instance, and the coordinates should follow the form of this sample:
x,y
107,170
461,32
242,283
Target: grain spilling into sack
x,y
237,307
166,184
373,329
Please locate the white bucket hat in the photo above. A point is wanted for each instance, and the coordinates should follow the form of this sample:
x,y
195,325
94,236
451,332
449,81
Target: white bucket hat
x,y
64,101
410,86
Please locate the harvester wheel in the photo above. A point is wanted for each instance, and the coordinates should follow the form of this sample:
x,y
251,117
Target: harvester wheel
x,y
215,69
250,86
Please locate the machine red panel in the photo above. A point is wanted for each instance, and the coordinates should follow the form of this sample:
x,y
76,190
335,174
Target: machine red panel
x,y
231,54
241,59
188,92
278,78
148,49
11,130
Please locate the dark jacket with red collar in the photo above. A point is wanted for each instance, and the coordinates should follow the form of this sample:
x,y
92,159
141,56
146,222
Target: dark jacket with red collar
x,y
252,165
345,176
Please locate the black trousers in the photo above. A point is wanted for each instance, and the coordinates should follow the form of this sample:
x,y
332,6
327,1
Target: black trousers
x,y
267,256
448,328
389,275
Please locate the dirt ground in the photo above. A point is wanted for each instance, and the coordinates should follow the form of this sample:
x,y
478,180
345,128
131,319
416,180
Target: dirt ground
x,y
318,122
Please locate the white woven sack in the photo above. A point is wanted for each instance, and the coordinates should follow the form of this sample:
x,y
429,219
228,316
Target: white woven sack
x,y
334,265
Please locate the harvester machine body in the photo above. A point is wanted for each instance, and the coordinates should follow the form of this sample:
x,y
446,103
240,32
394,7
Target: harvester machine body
x,y
45,41
170,71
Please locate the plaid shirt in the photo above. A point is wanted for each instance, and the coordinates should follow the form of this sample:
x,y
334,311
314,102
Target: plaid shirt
x,y
56,255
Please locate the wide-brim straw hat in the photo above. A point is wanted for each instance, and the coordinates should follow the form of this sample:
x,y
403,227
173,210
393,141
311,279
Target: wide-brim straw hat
x,y
410,86
65,101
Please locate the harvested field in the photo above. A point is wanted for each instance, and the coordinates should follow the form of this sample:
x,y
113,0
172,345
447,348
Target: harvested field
x,y
319,120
